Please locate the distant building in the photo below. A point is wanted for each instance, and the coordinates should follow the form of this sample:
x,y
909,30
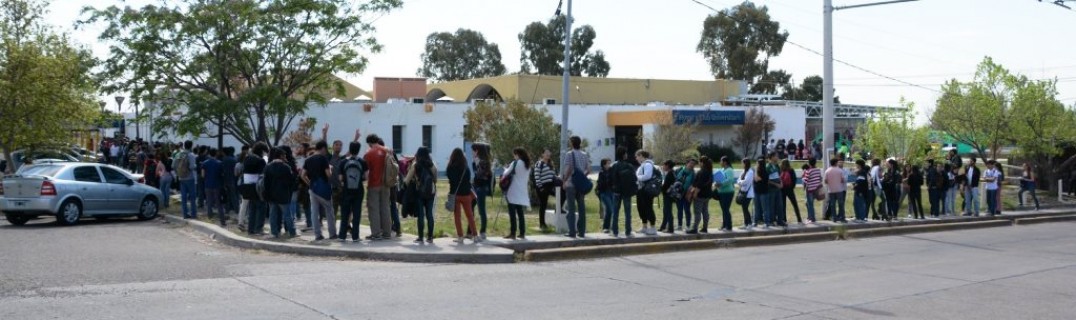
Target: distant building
x,y
404,89
536,89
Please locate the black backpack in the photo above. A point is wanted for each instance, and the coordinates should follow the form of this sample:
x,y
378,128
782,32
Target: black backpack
x,y
627,184
353,174
425,183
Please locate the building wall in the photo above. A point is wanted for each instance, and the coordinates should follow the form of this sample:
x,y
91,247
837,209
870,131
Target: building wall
x,y
586,90
398,88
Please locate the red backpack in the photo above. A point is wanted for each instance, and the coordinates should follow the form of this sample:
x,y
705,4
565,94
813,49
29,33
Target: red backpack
x,y
786,180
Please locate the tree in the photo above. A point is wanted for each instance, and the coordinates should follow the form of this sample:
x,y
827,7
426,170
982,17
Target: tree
x,y
542,50
892,133
672,141
302,134
771,81
1040,126
244,67
809,90
757,125
460,56
46,88
738,42
977,113
510,125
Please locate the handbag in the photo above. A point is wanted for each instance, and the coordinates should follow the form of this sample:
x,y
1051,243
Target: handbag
x,y
582,184
741,198
450,200
506,179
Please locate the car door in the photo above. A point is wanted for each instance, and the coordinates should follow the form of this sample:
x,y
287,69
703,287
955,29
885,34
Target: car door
x,y
93,191
122,196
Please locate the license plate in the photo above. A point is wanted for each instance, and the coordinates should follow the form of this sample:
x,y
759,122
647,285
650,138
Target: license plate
x,y
17,203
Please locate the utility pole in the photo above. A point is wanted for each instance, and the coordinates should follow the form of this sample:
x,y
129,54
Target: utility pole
x,y
827,72
567,74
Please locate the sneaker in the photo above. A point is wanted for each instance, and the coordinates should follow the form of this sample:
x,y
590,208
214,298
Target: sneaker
x,y
481,236
522,237
419,241
319,238
704,231
430,240
458,240
680,228
605,231
629,235
692,232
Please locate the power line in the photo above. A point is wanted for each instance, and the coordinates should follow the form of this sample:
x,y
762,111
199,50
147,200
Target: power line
x,y
820,54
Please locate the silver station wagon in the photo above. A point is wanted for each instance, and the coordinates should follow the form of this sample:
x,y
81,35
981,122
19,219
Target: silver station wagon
x,y
72,190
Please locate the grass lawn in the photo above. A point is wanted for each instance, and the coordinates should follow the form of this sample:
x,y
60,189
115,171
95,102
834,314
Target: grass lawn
x,y
497,212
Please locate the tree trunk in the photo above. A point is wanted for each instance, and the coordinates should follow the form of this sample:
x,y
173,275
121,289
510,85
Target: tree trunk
x,y
9,168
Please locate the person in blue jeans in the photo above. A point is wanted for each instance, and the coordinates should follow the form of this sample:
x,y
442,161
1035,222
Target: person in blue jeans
x,y
836,181
686,176
1027,184
763,202
575,161
605,193
423,169
483,182
624,188
667,199
187,180
211,175
280,181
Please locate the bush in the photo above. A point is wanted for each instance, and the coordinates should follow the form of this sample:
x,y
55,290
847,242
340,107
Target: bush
x,y
715,152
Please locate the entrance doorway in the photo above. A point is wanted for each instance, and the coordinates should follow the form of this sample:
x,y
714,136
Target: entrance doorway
x,y
629,137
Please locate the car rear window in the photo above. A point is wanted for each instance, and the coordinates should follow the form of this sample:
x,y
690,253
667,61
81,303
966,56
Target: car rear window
x,y
41,170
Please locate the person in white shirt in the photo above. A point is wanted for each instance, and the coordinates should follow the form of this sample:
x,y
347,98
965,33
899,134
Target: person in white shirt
x,y
990,178
876,189
746,185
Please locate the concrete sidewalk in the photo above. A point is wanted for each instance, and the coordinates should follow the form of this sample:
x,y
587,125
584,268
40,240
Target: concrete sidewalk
x,y
596,244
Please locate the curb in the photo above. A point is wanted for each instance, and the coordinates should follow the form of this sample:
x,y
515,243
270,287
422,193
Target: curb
x,y
1028,221
227,237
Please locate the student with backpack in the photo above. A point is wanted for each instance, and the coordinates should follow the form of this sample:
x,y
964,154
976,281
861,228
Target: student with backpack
x,y
605,193
725,188
316,173
351,175
685,176
383,172
703,186
422,175
670,193
648,176
575,166
483,182
788,191
186,167
625,186
517,195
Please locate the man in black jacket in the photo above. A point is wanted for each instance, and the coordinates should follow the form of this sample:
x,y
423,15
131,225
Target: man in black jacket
x,y
935,187
278,186
253,168
971,188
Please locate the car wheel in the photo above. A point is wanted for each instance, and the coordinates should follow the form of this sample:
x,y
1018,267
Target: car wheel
x,y
69,213
17,220
148,209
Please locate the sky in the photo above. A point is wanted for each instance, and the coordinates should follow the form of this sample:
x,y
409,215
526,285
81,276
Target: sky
x,y
922,44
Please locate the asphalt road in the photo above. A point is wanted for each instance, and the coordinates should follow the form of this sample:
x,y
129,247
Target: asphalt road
x,y
142,270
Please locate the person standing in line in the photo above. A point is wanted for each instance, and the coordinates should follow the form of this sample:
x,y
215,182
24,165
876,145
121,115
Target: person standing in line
x,y
574,161
302,191
212,175
624,188
352,174
377,192
725,183
761,186
149,171
228,181
202,152
423,176
776,199
605,193
1027,184
253,170
686,176
483,182
646,202
915,192
788,189
990,177
241,220
667,197
951,186
517,195
316,173
746,184
837,184
187,174
877,197
935,186
164,175
279,186
812,185
861,186
333,157
459,186
704,185
891,182
972,174
543,178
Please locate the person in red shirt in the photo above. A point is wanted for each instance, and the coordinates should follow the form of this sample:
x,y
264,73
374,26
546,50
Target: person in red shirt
x,y
377,194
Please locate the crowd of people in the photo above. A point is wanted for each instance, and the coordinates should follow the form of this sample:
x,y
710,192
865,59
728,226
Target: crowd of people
x,y
321,182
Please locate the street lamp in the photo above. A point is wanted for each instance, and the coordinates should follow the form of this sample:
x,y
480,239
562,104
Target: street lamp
x,y
119,109
567,73
827,76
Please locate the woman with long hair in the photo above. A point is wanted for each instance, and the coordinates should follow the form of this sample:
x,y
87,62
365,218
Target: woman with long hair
x,y
704,184
643,174
459,186
517,195
915,192
164,176
763,208
483,182
1027,184
423,171
788,189
746,183
544,178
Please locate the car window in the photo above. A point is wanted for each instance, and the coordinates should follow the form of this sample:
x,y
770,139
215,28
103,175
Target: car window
x,y
40,170
87,174
113,176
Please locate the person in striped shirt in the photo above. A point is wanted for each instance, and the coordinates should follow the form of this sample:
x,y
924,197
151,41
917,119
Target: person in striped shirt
x,y
543,177
812,182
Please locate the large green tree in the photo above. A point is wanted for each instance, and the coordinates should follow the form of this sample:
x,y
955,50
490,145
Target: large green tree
x,y
46,88
510,125
739,41
246,68
771,82
757,126
976,113
672,141
893,133
542,50
459,56
810,89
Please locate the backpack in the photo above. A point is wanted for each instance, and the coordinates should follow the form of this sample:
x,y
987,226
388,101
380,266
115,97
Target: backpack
x,y
425,183
652,187
392,169
627,184
182,165
353,174
786,180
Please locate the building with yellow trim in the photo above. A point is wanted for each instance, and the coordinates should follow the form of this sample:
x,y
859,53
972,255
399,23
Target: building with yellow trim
x,y
537,89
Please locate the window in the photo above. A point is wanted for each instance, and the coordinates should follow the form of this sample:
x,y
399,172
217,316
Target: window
x,y
87,174
113,176
427,136
397,139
